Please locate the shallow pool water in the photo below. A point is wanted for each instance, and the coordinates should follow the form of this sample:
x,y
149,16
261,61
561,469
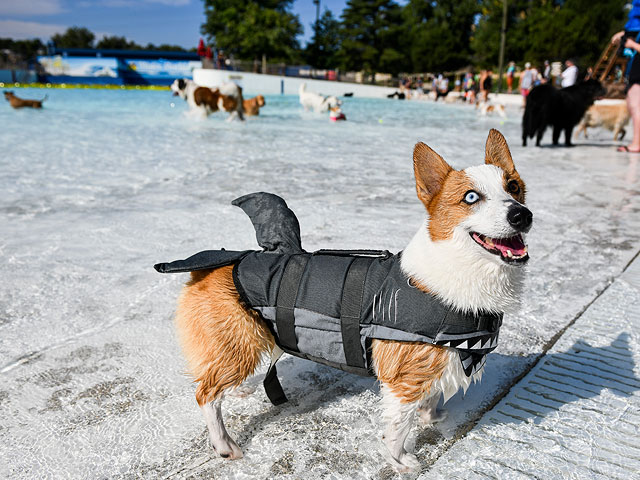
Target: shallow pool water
x,y
100,185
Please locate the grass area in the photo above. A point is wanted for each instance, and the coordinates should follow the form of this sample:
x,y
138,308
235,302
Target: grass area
x,y
78,85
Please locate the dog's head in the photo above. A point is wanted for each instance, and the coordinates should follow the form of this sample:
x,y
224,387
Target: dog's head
x,y
480,210
8,94
593,89
179,87
260,101
332,101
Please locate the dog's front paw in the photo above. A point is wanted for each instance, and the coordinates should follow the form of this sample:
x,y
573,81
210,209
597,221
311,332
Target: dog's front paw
x,y
227,448
431,416
407,462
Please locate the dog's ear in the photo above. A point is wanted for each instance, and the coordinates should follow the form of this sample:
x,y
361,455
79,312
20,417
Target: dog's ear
x,y
497,152
182,84
430,170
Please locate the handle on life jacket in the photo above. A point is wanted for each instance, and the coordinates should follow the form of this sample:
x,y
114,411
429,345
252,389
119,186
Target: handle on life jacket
x,y
355,253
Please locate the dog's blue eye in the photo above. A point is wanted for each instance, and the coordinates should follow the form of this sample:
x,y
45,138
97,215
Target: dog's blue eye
x,y
471,197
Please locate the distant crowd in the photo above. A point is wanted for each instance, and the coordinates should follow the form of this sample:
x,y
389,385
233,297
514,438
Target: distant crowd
x,y
476,86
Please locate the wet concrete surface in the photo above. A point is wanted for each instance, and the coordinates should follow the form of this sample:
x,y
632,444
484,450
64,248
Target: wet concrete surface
x,y
93,382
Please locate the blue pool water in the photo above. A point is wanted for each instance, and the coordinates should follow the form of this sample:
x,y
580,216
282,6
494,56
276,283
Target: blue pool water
x,y
101,184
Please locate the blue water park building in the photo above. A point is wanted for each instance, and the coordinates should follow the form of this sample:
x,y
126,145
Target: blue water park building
x,y
116,67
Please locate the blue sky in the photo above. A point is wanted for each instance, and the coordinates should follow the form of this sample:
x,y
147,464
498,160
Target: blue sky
x,y
144,21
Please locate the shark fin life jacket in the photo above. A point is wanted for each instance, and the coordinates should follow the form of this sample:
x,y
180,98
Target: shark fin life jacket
x,y
327,306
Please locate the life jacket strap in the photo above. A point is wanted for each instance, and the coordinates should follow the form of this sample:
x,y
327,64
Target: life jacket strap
x,y
351,305
272,386
286,301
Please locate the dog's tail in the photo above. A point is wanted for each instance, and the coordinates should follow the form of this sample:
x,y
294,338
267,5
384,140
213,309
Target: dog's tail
x,y
302,88
45,97
277,227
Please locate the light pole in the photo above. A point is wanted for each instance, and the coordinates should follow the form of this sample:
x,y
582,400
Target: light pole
x,y
503,37
317,4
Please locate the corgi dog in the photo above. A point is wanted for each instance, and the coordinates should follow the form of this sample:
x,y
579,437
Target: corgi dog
x,y
468,252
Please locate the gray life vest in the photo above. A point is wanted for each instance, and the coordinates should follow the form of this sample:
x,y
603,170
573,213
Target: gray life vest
x,y
327,306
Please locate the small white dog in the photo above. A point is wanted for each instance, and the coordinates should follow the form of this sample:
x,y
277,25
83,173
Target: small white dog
x,y
316,102
203,101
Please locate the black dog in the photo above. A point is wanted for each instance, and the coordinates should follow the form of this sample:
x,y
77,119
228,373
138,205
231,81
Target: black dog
x,y
562,109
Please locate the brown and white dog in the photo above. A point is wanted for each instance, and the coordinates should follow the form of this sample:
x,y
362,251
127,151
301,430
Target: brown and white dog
x,y
252,106
612,116
17,102
468,252
203,101
489,108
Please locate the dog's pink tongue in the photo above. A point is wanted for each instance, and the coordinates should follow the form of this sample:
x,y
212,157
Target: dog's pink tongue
x,y
515,244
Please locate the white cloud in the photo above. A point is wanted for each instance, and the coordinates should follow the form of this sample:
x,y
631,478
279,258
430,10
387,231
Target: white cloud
x,y
19,30
30,7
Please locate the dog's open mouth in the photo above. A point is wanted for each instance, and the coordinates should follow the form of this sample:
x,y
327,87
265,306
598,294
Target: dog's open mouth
x,y
175,94
510,249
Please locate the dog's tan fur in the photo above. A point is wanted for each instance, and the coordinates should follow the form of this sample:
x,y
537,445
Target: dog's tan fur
x,y
17,102
252,105
222,341
611,117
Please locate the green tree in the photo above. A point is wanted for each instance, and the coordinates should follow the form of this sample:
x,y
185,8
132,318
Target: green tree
x,y
74,37
164,47
250,29
371,34
440,33
539,30
117,43
322,49
25,49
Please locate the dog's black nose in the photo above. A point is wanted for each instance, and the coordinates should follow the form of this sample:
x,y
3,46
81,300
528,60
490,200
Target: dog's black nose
x,y
520,218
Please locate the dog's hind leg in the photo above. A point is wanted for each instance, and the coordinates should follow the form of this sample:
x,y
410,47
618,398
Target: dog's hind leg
x,y
539,135
556,134
222,443
223,343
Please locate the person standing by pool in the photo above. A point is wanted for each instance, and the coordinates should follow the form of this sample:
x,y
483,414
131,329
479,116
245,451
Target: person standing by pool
x,y
487,84
526,82
546,74
570,75
632,30
511,70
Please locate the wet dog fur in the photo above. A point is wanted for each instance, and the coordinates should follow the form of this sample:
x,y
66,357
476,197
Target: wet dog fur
x,y
17,102
252,106
224,342
203,101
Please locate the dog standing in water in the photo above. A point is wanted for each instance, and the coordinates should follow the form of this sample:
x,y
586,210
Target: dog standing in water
x,y
253,105
316,102
465,260
17,102
204,101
